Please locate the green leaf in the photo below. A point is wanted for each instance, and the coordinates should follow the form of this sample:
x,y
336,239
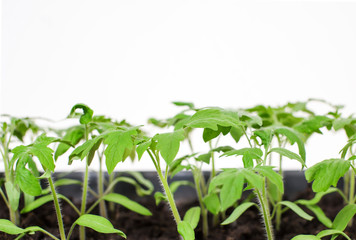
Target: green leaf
x,y
212,117
344,216
8,227
254,152
87,115
142,147
317,197
289,154
168,144
37,203
341,122
159,197
326,173
118,142
27,182
272,176
305,237
236,133
238,212
67,181
209,134
192,216
295,208
92,151
265,135
212,203
204,158
314,124
43,139
231,191
186,230
248,155
329,232
254,179
320,215
127,203
44,155
13,195
85,149
73,135
140,180
176,184
98,223
188,104
293,138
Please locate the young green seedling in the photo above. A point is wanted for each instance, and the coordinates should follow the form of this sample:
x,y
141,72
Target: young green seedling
x,y
119,143
166,145
18,128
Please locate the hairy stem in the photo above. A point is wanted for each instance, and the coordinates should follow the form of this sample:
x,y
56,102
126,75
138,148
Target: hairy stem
x,y
262,197
58,210
166,188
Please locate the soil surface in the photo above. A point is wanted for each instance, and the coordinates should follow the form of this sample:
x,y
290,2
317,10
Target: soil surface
x,y
160,226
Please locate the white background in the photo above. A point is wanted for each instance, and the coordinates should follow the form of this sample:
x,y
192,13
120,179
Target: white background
x,y
130,59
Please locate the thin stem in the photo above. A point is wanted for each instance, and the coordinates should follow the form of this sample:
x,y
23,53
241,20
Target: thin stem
x,y
85,189
352,192
279,194
213,173
70,204
204,213
84,201
4,198
248,139
71,230
265,212
94,205
166,188
102,207
58,210
169,197
48,233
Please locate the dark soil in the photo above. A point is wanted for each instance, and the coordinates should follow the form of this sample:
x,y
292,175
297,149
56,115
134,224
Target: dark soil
x,y
160,226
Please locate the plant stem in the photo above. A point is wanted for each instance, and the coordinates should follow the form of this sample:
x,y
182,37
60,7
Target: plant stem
x,y
110,189
279,195
102,207
85,190
352,192
265,211
84,201
166,188
169,197
14,214
58,210
204,212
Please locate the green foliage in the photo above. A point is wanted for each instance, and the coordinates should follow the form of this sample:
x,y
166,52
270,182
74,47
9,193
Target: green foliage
x,y
212,118
127,203
295,208
85,117
185,230
326,173
117,143
98,224
192,216
168,144
239,210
